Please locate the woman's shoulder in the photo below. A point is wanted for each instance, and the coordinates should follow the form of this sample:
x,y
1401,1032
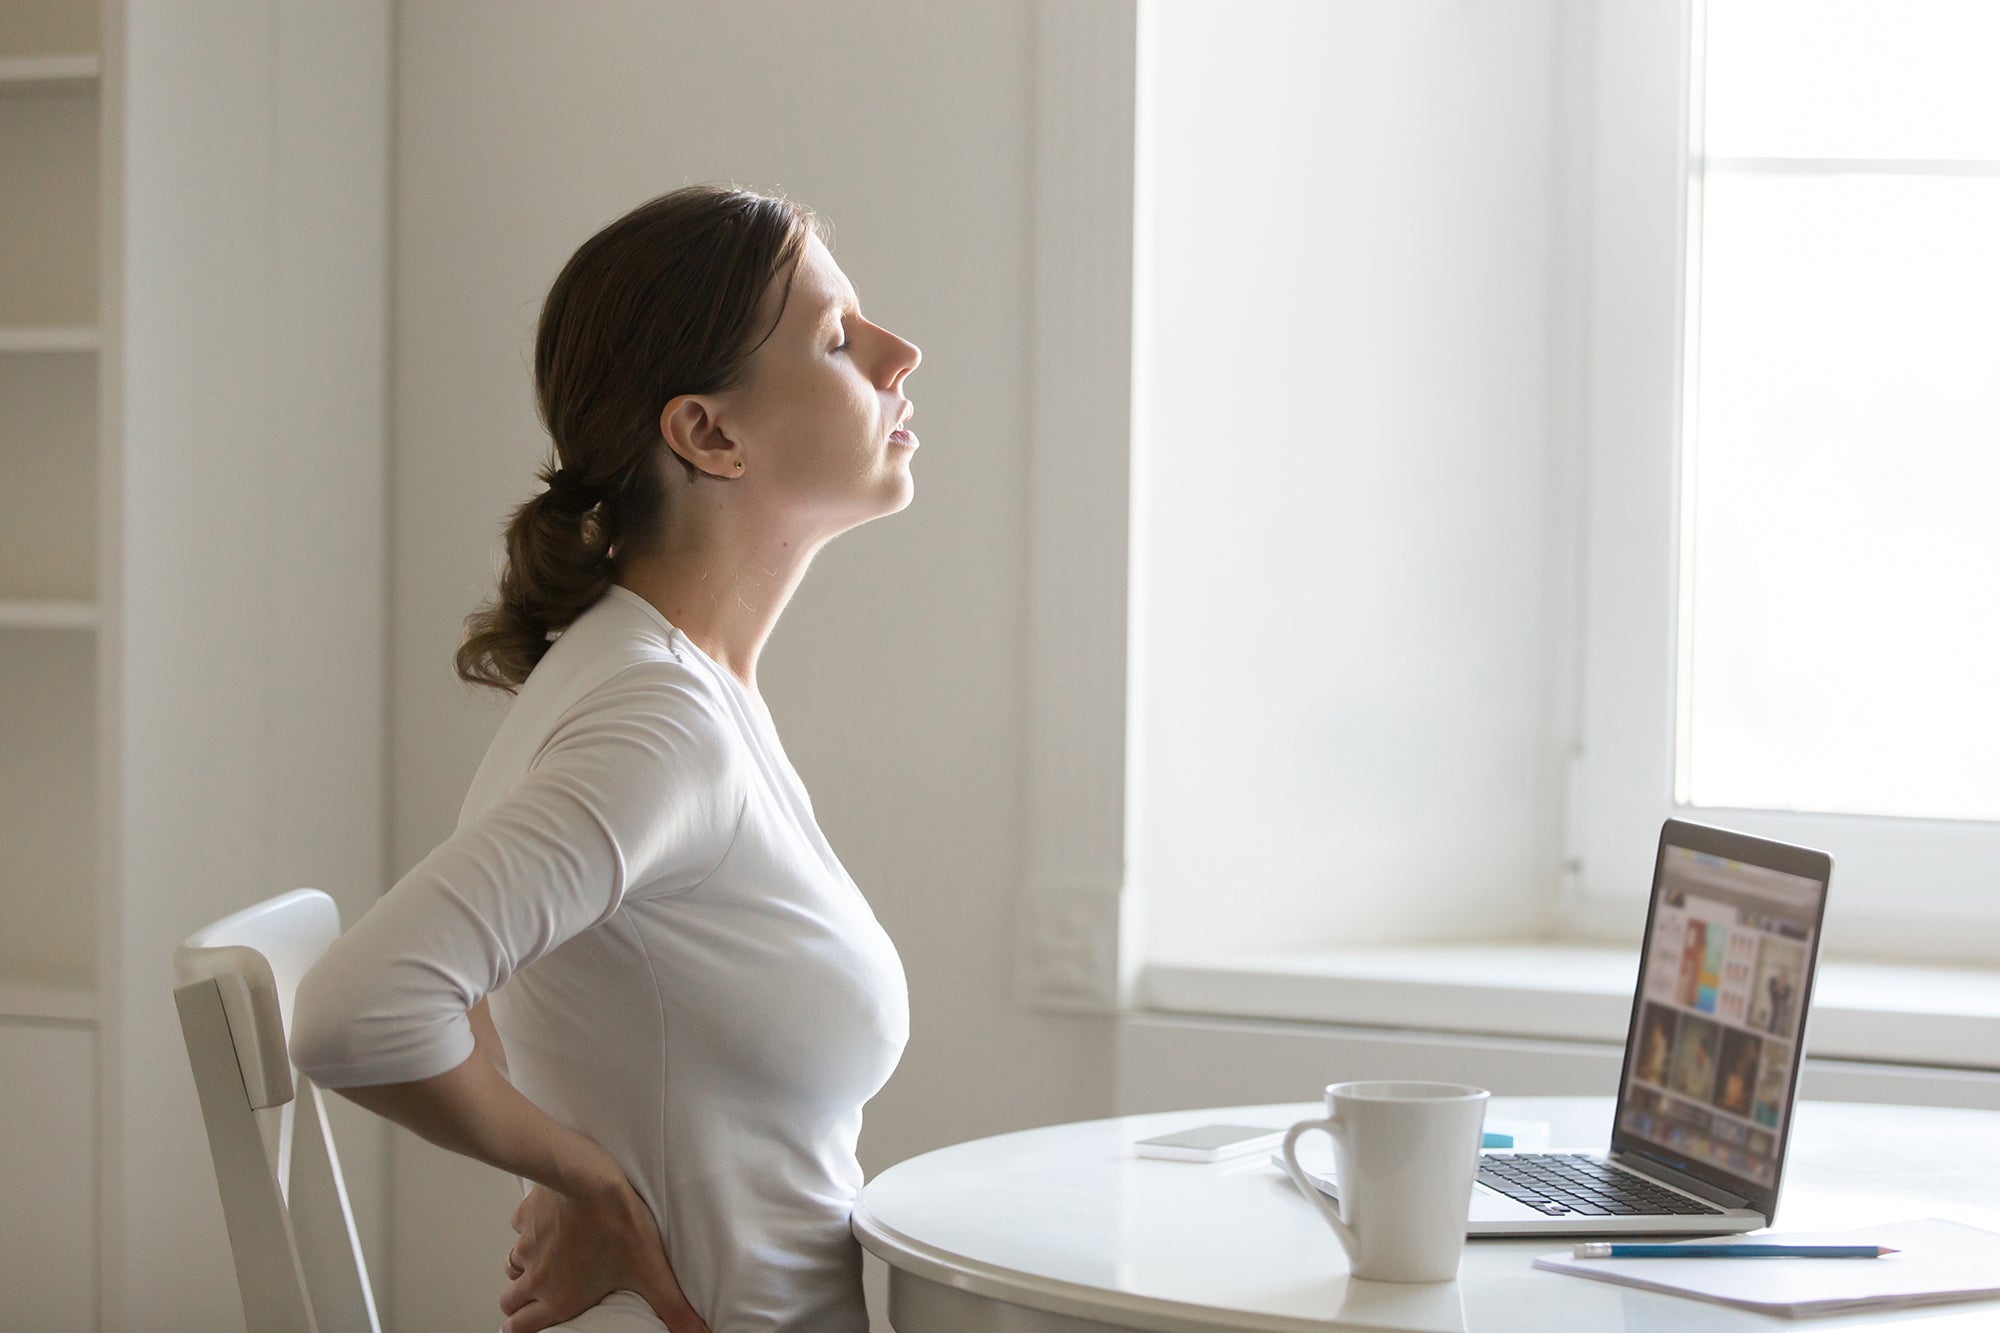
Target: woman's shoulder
x,y
621,653
617,677
619,703
641,686
657,754
657,690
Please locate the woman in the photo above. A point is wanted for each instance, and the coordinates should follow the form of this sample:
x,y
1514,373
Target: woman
x,y
689,999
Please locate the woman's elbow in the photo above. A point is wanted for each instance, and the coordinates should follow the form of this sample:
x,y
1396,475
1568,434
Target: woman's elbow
x,y
322,1035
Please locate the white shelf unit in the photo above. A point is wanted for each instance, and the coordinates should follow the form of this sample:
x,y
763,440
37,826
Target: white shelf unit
x,y
46,613
48,1002
51,30
49,211
49,509
193,590
28,75
48,920
48,338
51,77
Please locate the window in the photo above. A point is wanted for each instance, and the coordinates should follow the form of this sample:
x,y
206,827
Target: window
x,y
1820,513
1842,430
1341,476
1393,651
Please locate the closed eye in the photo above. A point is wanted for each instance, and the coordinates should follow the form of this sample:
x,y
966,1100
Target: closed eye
x,y
841,313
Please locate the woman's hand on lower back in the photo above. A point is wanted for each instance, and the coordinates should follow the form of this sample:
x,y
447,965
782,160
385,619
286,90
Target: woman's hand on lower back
x,y
570,1252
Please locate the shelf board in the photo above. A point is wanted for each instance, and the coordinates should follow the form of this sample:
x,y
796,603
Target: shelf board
x,y
47,613
48,338
47,1001
27,75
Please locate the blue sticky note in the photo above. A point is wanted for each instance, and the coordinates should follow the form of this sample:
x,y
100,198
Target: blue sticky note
x,y
1492,1140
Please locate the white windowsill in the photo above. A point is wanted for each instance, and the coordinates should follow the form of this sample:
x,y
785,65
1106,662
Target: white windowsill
x,y
1905,1014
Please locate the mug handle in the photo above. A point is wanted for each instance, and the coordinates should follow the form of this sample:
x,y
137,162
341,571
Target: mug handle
x,y
1332,1127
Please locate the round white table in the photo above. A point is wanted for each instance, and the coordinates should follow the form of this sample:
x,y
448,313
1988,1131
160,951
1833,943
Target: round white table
x,y
1064,1230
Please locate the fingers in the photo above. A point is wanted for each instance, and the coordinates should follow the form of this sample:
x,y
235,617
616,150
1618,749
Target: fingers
x,y
517,1295
661,1289
673,1310
530,1318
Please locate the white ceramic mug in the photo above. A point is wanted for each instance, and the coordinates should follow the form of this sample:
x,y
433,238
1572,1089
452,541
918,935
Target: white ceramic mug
x,y
1404,1158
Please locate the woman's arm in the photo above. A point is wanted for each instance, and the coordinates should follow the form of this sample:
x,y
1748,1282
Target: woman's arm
x,y
474,1110
636,788
598,1235
486,1037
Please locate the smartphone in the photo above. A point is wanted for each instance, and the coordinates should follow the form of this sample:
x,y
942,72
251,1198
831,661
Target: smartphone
x,y
1211,1143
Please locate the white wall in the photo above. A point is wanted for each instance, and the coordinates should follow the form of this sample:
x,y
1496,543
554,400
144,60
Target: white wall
x,y
1347,635
1176,1061
246,572
897,676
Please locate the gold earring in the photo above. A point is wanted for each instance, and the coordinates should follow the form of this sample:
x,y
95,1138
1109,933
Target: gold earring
x,y
739,465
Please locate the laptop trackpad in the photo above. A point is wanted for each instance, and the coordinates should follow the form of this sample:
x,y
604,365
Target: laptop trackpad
x,y
1486,1205
1492,1206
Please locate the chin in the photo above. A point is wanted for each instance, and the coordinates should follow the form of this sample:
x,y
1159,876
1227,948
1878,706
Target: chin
x,y
892,496
898,489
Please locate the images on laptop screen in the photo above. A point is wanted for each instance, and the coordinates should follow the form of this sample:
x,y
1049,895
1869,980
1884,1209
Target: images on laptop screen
x,y
1721,1008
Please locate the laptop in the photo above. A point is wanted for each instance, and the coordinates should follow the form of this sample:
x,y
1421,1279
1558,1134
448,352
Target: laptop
x,y
1711,1070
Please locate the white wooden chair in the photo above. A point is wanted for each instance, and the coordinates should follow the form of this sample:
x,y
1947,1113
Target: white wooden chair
x,y
298,1260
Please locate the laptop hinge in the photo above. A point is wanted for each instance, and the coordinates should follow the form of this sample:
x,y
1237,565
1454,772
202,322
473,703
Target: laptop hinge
x,y
1722,1198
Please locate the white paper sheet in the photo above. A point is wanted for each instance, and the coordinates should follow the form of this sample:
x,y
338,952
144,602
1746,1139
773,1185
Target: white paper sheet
x,y
1940,1261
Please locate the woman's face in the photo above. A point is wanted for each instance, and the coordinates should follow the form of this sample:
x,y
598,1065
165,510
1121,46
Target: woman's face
x,y
816,416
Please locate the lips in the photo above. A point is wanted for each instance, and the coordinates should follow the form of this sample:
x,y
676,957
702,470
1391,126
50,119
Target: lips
x,y
905,438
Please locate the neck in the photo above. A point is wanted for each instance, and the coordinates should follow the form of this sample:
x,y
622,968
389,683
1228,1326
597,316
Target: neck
x,y
726,596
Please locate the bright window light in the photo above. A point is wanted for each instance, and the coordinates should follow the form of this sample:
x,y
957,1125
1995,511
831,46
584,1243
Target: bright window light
x,y
1841,493
1851,78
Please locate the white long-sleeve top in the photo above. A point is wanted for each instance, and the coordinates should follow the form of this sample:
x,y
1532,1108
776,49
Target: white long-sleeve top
x,y
678,966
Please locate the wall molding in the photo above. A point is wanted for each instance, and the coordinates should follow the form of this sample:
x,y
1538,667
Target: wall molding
x,y
1072,951
1182,1062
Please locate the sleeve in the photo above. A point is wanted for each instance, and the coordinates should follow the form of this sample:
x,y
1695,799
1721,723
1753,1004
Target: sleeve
x,y
639,791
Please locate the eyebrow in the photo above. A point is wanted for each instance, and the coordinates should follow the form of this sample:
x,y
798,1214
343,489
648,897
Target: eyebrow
x,y
840,305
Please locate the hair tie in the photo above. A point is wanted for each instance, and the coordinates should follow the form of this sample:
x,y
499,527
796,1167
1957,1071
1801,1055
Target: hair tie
x,y
565,482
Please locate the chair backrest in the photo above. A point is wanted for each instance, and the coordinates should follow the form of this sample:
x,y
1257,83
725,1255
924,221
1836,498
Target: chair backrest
x,y
298,1259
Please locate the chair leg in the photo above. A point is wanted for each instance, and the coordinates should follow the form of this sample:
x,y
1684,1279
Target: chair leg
x,y
323,1221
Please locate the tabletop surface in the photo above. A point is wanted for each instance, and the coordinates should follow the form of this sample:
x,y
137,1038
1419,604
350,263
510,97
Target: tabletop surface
x,y
1066,1219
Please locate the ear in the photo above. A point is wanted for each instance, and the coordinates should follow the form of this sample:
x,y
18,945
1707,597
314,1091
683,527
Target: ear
x,y
691,429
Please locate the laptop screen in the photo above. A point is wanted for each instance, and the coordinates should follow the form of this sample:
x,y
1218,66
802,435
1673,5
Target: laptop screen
x,y
1712,1060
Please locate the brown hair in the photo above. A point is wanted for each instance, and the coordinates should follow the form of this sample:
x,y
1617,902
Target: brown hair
x,y
662,302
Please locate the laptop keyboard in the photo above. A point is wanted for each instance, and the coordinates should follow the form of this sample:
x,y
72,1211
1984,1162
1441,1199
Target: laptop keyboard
x,y
1562,1183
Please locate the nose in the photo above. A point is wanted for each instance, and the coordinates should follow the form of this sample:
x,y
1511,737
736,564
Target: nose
x,y
902,357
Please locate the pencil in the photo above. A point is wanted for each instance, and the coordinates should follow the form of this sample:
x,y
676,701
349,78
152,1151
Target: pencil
x,y
1601,1249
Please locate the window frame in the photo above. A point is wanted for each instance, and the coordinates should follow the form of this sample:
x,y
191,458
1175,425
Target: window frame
x,y
1911,888
1076,937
